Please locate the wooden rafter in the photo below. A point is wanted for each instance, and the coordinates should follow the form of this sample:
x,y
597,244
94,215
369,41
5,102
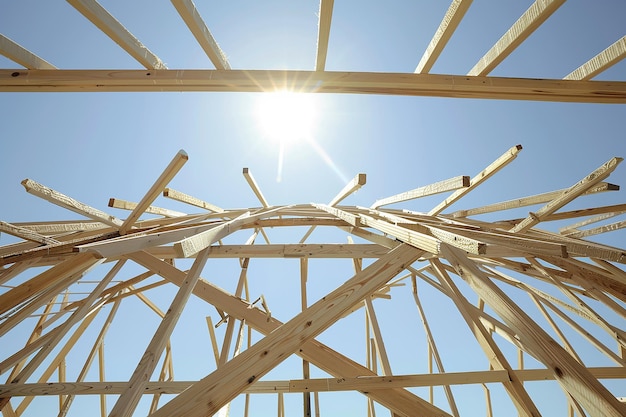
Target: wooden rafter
x,y
109,25
323,34
450,22
21,55
532,18
191,16
605,59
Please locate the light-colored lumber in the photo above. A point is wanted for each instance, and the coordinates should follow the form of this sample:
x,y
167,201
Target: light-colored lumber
x,y
323,33
126,403
400,401
48,194
26,234
138,241
184,198
436,188
17,295
528,201
598,230
60,227
187,10
572,228
20,55
444,32
575,378
129,205
357,182
255,187
569,195
494,354
307,385
212,392
63,329
52,367
110,26
336,82
532,18
166,176
478,179
194,244
351,187
96,349
295,251
432,348
604,60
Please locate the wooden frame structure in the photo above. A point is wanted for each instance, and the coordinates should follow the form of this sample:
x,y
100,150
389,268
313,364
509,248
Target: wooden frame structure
x,y
473,263
40,75
480,261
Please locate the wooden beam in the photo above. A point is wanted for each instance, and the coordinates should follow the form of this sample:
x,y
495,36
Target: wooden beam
x,y
80,313
497,359
130,205
571,375
48,194
429,85
432,189
111,248
194,244
323,33
605,59
187,10
354,185
166,176
481,177
23,292
21,55
255,187
211,393
569,195
597,230
529,201
400,401
184,198
296,251
26,234
111,27
127,402
444,32
364,383
357,182
532,18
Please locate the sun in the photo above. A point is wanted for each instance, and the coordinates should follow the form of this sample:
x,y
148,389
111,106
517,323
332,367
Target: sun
x,y
286,116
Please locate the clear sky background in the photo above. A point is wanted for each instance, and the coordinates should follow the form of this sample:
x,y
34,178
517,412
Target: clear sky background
x,y
93,146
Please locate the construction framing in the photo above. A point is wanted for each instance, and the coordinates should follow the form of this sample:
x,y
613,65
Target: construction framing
x,y
40,75
481,261
453,253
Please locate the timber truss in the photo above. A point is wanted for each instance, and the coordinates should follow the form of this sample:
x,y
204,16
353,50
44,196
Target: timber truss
x,y
522,294
577,86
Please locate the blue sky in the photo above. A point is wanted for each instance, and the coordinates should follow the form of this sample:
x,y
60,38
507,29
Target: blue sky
x,y
96,146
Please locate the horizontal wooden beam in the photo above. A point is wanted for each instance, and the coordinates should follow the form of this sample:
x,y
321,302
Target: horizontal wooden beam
x,y
296,251
431,85
303,385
